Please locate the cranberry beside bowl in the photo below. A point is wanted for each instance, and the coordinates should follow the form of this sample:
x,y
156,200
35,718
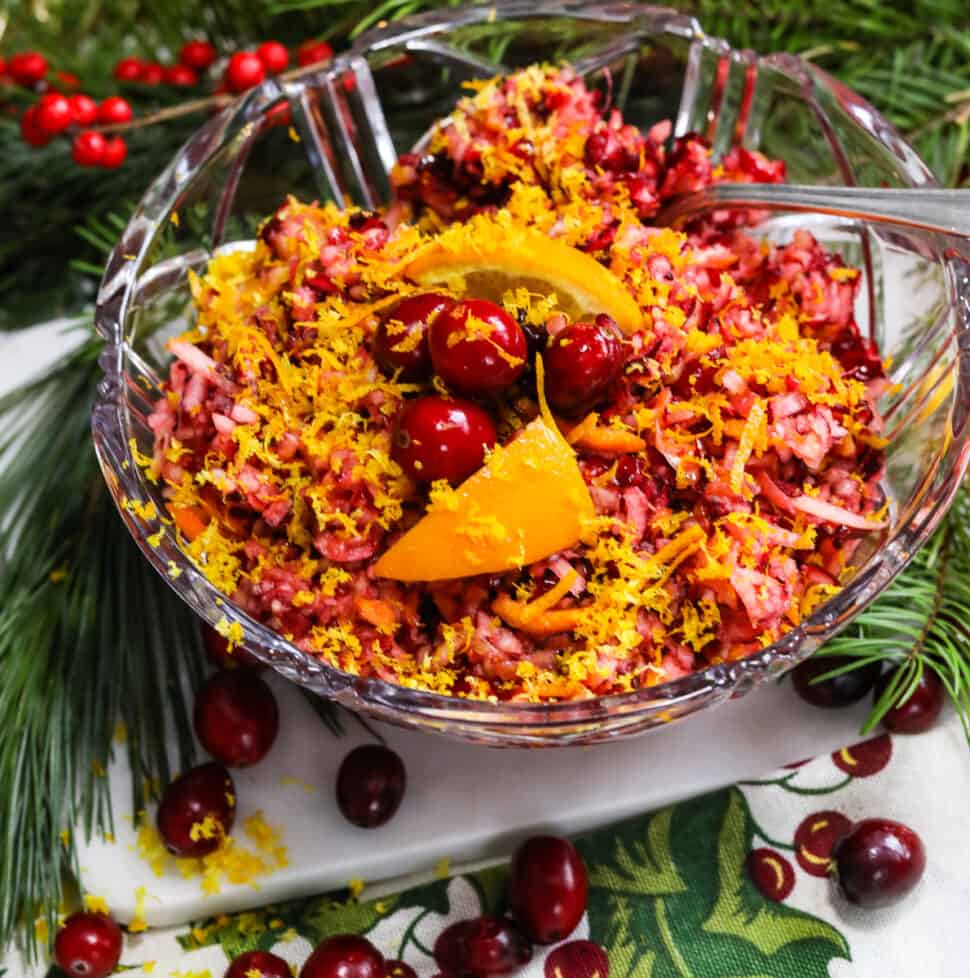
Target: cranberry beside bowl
x,y
355,117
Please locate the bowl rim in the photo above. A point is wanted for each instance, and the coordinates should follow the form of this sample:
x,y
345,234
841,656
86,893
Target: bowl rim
x,y
118,462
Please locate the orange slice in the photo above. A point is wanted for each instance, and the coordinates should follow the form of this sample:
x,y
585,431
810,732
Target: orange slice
x,y
486,258
528,501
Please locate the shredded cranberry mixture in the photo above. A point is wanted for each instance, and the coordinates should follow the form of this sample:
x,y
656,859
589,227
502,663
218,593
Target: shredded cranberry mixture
x,y
730,444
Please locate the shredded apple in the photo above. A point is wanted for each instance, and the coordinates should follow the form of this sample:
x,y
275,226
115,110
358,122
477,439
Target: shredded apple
x,y
672,456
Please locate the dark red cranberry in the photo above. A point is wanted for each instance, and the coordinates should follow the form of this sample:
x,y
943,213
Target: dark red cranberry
x,y
344,956
274,56
401,341
370,785
771,873
865,759
129,69
548,888
920,710
181,76
197,811
878,862
442,438
258,964
152,73
481,947
580,364
88,945
222,657
577,959
477,347
843,690
236,717
398,969
814,839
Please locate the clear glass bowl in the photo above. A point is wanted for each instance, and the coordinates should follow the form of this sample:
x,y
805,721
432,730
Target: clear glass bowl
x,y
349,121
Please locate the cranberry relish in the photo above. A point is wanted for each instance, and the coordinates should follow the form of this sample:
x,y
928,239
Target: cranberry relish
x,y
730,444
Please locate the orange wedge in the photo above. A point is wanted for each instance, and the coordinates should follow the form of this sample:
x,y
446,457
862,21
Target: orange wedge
x,y
528,501
486,258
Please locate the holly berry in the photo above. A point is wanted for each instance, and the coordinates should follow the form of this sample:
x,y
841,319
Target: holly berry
x,y
581,362
481,947
771,873
152,73
236,717
88,148
197,811
548,888
878,862
344,956
129,69
814,838
88,945
197,55
84,110
114,110
398,969
222,657
274,56
31,131
577,959
244,71
401,341
842,690
370,785
920,710
313,52
258,964
442,438
181,75
27,67
477,347
54,112
115,152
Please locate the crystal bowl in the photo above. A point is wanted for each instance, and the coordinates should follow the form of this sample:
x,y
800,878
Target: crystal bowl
x,y
332,132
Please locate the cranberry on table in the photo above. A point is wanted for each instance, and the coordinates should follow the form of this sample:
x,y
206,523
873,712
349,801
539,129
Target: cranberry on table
x,y
477,347
236,717
843,690
84,110
548,888
129,69
258,964
581,362
198,55
481,947
344,956
88,148
114,110
88,945
370,785
27,67
54,112
244,71
878,862
197,811
442,438
401,340
920,710
274,56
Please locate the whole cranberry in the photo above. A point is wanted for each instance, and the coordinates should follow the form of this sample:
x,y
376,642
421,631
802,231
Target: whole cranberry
x,y
274,56
548,888
370,785
481,947
477,347
401,341
152,73
31,132
115,152
581,362
236,717
197,55
920,710
842,690
344,956
54,112
87,149
88,945
129,69
181,76
244,71
258,964
114,110
313,52
442,438
84,110
27,67
878,862
197,811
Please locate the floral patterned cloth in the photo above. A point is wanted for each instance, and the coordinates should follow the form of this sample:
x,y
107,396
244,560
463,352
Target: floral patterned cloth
x,y
730,885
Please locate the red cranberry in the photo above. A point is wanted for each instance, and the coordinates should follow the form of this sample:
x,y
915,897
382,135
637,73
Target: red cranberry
x,y
370,785
88,945
31,132
181,75
54,112
313,52
865,759
88,148
481,947
244,71
401,341
577,959
842,690
114,110
115,152
477,347
548,888
398,969
442,438
236,717
771,873
920,710
274,56
580,364
222,657
197,55
878,862
84,110
129,69
344,956
258,964
27,67
814,839
152,73
197,811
